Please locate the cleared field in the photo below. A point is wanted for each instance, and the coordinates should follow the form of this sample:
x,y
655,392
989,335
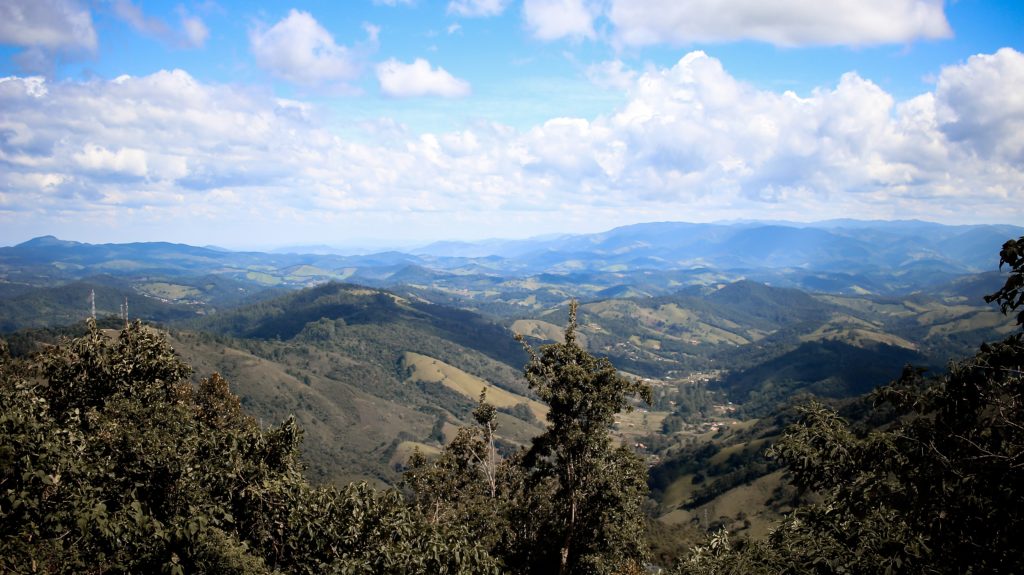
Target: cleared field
x,y
516,430
539,329
428,369
979,320
308,271
726,452
168,291
405,450
263,278
867,305
640,422
647,343
745,501
676,494
942,314
684,324
855,331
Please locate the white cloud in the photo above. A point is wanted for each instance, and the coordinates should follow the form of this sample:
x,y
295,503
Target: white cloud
x,y
46,28
47,24
298,49
372,33
194,30
611,74
402,80
783,23
129,161
554,19
477,8
980,103
193,33
132,14
691,142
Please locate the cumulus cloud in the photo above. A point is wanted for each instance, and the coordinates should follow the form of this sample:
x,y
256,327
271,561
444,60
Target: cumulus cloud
x,y
130,161
554,19
45,28
298,49
980,104
477,8
48,24
691,142
401,80
783,23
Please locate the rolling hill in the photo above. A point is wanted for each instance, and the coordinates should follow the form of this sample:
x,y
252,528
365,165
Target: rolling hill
x,y
367,373
840,257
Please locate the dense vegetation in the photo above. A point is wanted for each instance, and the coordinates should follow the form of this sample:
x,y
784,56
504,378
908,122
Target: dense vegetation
x,y
113,461
938,490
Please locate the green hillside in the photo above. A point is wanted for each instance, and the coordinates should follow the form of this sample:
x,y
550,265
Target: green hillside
x,y
351,363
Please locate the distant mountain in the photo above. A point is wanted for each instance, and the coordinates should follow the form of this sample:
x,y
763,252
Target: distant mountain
x,y
742,325
839,256
844,256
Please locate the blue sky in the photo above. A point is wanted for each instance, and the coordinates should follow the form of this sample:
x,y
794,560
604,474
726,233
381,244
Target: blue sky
x,y
398,122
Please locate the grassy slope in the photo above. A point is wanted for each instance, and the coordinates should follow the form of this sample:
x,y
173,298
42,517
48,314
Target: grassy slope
x,y
422,368
349,434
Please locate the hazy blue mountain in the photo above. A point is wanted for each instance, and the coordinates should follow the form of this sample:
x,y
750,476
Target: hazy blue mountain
x,y
837,256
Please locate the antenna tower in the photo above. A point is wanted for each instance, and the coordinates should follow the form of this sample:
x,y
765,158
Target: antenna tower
x,y
92,300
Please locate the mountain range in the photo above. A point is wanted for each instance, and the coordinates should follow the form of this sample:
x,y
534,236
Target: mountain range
x,y
380,354
839,256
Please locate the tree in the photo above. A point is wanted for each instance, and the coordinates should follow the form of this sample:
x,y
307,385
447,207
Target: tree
x,y
112,462
591,492
569,504
939,489
1011,295
466,484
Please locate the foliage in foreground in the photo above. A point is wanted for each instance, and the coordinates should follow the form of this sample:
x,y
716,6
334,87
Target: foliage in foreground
x,y
111,462
569,504
941,490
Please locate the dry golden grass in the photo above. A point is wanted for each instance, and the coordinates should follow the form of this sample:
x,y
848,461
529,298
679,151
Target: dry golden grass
x,y
428,369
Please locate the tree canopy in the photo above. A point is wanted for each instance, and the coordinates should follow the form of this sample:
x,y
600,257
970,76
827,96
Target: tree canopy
x,y
939,489
571,503
112,462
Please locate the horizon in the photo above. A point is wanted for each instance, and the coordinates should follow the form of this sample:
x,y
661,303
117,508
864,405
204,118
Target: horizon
x,y
369,247
407,122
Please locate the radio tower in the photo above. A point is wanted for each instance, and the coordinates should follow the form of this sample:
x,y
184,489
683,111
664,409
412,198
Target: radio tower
x,y
92,300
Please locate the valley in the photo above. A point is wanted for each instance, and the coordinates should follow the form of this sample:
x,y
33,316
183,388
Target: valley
x,y
382,355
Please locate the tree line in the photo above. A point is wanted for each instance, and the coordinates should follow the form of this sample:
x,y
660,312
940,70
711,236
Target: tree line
x,y
112,461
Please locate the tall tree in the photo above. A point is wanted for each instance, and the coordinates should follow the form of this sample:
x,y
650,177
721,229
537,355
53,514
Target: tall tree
x,y
466,484
593,521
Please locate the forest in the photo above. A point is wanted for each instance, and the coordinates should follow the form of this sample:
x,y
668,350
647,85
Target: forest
x,y
112,460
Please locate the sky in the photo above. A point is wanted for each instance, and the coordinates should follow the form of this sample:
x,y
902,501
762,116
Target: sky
x,y
389,123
